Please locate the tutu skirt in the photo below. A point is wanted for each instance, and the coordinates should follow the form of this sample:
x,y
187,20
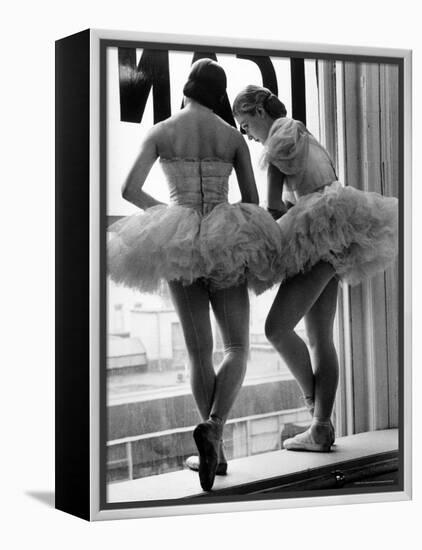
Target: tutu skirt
x,y
232,244
355,231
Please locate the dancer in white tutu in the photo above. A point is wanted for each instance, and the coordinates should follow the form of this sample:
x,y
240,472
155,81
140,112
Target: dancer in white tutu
x,y
332,232
209,251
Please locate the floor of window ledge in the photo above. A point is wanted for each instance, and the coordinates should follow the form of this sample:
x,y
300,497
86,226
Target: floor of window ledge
x,y
246,471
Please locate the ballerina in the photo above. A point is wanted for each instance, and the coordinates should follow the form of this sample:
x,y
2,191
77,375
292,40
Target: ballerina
x,y
207,250
330,232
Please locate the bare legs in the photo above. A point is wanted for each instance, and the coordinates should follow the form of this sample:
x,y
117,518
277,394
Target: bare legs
x,y
192,306
312,295
214,393
231,310
319,322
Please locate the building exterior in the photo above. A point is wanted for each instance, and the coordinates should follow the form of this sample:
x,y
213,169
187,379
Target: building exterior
x,y
125,355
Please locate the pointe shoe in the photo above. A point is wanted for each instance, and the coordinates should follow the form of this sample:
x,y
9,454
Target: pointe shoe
x,y
306,442
192,462
207,437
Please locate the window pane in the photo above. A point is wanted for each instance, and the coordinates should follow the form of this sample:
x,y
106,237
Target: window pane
x,y
151,412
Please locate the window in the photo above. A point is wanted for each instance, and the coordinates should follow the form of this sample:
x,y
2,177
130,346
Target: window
x,y
150,409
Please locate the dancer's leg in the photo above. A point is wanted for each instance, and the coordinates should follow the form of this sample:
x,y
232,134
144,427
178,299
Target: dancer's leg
x,y
294,299
192,306
231,310
319,322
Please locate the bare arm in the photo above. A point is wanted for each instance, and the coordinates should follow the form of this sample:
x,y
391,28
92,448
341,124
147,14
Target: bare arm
x,y
275,182
132,187
244,173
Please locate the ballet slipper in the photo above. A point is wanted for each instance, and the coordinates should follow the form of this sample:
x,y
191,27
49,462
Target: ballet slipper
x,y
306,441
207,436
192,462
310,405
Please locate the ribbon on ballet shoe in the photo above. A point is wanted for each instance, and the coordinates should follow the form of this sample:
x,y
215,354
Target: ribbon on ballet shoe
x,y
326,422
318,421
309,403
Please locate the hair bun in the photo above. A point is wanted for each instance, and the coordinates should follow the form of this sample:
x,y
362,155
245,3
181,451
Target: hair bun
x,y
274,106
207,83
188,87
252,97
202,94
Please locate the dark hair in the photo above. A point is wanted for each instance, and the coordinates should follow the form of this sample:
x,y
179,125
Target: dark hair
x,y
252,97
206,84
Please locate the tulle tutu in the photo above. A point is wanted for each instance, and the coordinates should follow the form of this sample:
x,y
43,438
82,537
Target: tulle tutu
x,y
230,245
356,231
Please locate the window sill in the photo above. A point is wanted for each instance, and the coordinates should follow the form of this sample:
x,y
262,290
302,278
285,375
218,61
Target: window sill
x,y
278,470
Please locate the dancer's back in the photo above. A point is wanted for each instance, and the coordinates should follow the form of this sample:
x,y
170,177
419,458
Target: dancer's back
x,y
197,133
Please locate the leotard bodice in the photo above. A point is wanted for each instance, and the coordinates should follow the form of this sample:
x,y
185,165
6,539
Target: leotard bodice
x,y
200,184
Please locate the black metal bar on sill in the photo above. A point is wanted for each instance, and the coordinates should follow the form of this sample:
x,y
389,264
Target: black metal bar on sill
x,y
297,71
333,476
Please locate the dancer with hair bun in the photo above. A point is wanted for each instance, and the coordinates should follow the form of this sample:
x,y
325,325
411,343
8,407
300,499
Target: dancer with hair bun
x,y
329,232
207,250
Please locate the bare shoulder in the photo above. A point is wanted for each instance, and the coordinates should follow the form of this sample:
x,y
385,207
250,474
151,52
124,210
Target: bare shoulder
x,y
155,132
234,137
156,136
239,142
225,126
